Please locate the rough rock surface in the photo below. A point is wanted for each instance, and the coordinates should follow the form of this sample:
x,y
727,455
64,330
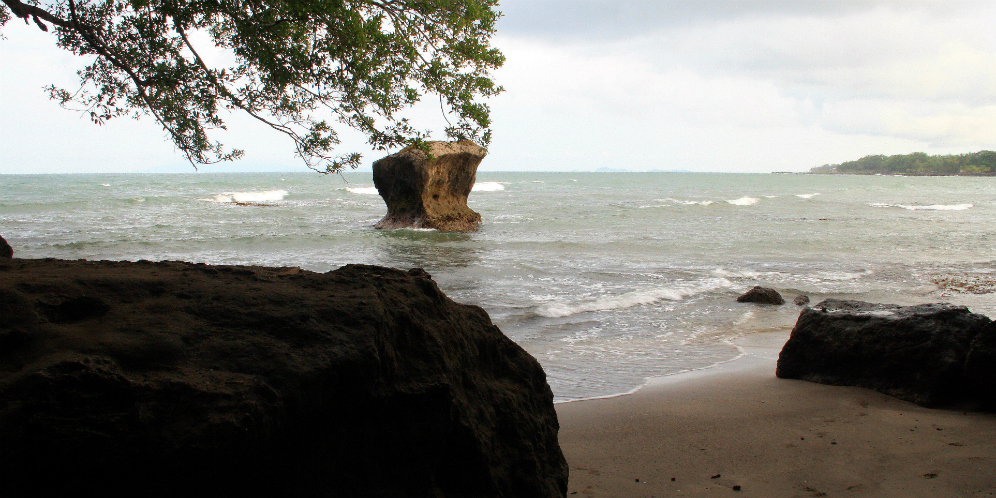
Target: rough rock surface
x,y
801,300
980,367
916,353
761,295
178,379
5,250
429,193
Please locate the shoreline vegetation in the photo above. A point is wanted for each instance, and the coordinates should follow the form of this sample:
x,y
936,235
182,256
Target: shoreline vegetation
x,y
982,163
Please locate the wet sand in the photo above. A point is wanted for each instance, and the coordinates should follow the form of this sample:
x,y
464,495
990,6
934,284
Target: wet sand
x,y
737,430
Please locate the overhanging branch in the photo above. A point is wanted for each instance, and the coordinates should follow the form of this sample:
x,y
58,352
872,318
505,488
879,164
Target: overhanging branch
x,y
38,14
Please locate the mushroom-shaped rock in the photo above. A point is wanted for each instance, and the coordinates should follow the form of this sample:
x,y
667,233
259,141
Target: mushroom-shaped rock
x,y
761,295
429,190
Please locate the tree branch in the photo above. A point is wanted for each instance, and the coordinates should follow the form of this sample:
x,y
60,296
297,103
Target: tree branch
x,y
24,11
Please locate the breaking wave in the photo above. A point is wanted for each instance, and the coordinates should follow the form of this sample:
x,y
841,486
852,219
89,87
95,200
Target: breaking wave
x,y
488,187
362,190
744,201
630,299
250,197
933,207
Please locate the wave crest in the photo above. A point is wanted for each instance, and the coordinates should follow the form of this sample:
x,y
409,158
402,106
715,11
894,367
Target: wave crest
x,y
363,190
631,299
932,207
250,197
488,187
744,201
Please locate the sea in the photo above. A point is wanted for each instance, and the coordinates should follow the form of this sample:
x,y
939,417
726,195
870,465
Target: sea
x,y
608,279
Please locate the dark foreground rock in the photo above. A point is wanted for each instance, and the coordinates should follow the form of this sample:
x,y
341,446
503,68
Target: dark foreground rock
x,y
916,353
980,367
761,295
5,250
177,379
429,193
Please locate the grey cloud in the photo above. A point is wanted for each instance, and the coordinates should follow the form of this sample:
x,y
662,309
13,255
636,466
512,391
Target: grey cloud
x,y
568,21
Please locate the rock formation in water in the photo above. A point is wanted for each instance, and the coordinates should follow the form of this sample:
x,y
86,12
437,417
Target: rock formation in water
x,y
916,353
5,250
761,295
178,379
429,192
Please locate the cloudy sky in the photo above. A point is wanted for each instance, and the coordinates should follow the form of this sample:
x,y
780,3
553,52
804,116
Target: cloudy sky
x,y
691,85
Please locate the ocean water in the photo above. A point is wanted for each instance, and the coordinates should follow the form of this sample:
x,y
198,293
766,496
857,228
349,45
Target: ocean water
x,y
608,279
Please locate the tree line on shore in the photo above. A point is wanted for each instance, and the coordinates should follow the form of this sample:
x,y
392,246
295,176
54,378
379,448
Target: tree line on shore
x,y
982,163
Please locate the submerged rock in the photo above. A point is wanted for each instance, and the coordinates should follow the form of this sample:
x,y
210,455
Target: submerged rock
x,y
761,295
424,192
801,300
915,353
177,379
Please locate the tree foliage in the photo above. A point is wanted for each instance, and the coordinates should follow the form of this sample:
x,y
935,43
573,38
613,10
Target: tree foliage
x,y
291,64
981,163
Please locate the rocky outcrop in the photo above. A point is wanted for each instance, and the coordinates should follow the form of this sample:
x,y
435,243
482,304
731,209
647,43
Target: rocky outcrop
x,y
429,190
5,250
761,295
980,367
177,379
801,300
916,353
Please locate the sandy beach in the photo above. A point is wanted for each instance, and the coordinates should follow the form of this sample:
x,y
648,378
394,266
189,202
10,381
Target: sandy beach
x,y
737,430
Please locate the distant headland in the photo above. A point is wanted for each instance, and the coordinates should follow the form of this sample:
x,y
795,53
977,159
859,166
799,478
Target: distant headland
x,y
982,163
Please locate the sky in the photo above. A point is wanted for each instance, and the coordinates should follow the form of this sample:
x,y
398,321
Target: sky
x,y
674,85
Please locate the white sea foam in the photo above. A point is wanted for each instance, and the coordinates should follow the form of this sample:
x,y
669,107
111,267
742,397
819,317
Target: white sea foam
x,y
684,202
724,273
744,201
363,190
630,299
251,197
488,187
933,207
743,319
842,276
807,196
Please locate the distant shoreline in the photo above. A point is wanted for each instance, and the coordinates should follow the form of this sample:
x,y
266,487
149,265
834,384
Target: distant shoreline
x,y
982,163
851,173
